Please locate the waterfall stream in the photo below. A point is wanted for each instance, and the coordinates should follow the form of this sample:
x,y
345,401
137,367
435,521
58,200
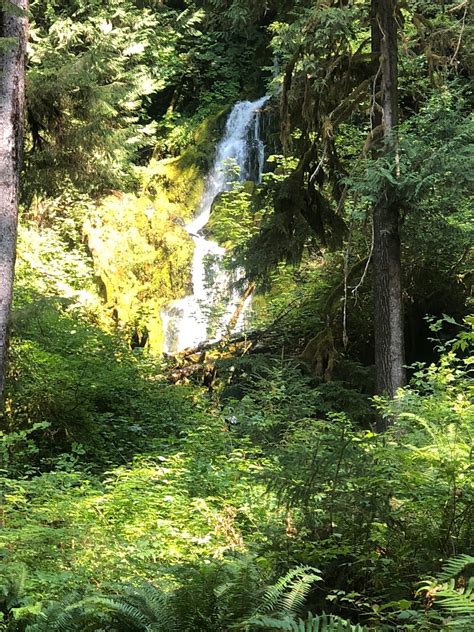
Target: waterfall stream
x,y
186,322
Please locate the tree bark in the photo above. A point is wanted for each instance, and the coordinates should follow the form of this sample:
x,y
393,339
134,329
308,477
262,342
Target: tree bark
x,y
13,26
388,312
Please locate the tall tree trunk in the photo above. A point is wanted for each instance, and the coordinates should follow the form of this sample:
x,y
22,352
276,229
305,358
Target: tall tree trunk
x,y
13,34
388,313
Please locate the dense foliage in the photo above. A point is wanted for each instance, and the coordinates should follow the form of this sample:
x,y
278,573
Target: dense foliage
x,y
242,487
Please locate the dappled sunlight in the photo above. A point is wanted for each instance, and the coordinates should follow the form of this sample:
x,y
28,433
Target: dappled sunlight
x,y
235,330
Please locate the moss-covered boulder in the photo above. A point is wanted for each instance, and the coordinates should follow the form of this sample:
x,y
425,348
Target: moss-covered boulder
x,y
142,256
180,181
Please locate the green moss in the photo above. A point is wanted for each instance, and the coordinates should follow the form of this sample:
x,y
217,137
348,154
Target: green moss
x,y
173,187
142,253
142,256
179,182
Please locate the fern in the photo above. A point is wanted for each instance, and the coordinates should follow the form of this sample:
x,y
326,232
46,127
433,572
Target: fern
x,y
313,623
143,607
65,616
117,609
241,592
289,593
458,601
285,599
12,585
202,597
131,609
453,592
455,566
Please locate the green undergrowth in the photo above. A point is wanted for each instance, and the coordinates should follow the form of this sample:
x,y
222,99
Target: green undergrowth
x,y
185,504
75,385
114,479
207,492
123,495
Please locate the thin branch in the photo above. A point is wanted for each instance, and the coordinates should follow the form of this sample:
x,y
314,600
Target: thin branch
x,y
319,165
366,269
345,338
459,6
463,25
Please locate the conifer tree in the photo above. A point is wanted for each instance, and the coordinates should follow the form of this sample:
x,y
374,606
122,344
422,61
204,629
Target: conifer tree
x,y
388,317
13,35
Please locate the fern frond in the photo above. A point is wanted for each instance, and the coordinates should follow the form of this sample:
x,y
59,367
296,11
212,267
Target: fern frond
x,y
298,590
271,623
12,584
288,594
121,609
132,609
458,601
455,566
59,617
142,607
313,623
454,592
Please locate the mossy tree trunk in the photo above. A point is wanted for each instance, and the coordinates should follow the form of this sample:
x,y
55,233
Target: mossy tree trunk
x,y
388,312
13,36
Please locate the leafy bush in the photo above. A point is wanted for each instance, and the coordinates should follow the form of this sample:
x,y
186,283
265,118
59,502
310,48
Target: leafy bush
x,y
373,512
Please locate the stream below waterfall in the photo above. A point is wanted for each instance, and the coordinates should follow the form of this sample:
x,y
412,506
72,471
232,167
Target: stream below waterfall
x,y
189,321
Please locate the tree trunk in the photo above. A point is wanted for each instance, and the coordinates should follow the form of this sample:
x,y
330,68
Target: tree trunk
x,y
388,313
13,31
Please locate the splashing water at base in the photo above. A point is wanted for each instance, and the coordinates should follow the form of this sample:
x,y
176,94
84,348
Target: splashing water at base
x,y
186,321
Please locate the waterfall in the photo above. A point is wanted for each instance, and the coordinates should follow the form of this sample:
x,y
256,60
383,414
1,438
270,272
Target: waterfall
x,y
186,321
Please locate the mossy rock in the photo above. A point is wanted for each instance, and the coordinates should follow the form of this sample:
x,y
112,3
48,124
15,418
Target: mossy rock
x,y
142,257
142,253
180,181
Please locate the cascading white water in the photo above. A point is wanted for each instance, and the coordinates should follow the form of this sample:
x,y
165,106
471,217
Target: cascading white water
x,y
186,321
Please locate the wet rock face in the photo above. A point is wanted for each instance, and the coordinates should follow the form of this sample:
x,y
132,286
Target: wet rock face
x,y
210,310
